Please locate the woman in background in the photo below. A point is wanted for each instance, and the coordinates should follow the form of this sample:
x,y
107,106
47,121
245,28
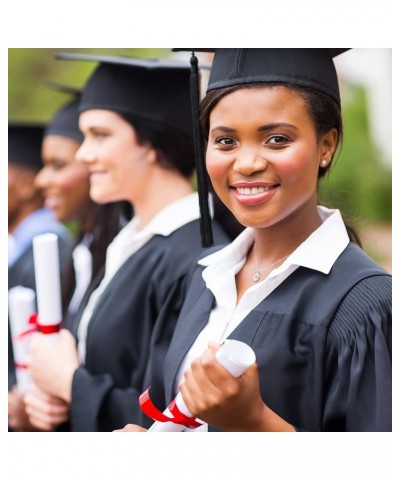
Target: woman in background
x,y
65,185
135,116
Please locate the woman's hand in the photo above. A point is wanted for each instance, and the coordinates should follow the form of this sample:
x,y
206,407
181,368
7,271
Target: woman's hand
x,y
52,365
45,411
131,428
18,419
212,394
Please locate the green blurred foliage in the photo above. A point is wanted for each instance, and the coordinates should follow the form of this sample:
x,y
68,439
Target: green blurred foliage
x,y
359,183
29,70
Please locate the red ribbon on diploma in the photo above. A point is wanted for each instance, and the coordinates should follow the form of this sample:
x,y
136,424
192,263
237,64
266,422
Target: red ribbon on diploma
x,y
36,327
20,366
148,407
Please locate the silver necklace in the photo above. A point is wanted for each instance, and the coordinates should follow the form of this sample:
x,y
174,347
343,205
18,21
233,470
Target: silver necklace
x,y
257,273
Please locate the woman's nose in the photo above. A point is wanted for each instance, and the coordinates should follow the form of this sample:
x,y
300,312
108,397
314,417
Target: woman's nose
x,y
249,161
85,153
42,178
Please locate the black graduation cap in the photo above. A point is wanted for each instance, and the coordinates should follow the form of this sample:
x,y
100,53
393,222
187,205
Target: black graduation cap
x,y
157,90
65,121
146,88
25,144
310,67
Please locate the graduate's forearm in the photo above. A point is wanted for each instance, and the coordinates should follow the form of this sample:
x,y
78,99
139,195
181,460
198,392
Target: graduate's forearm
x,y
271,422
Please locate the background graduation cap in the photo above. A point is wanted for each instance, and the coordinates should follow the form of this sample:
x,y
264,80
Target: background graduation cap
x,y
65,121
156,90
309,67
25,144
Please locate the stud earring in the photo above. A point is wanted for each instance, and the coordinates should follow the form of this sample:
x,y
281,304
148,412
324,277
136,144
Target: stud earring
x,y
324,163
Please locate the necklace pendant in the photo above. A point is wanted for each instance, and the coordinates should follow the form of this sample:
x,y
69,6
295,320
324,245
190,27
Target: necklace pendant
x,y
256,277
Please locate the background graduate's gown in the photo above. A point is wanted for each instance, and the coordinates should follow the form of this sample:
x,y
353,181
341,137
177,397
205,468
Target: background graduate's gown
x,y
322,344
133,319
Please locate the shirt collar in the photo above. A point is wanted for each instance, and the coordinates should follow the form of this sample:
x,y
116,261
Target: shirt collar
x,y
323,247
174,216
318,252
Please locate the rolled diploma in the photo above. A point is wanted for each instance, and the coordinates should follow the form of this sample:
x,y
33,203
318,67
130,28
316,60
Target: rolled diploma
x,y
47,277
235,356
21,305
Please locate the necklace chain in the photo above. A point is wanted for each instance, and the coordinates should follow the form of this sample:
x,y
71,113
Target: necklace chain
x,y
257,273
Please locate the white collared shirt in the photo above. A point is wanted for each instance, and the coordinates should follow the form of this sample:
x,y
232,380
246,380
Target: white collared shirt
x,y
128,241
83,266
318,252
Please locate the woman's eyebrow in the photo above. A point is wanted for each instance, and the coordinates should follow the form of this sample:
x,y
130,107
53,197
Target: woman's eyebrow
x,y
263,128
272,126
223,129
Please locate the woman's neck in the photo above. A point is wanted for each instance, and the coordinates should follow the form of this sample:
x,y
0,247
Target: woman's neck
x,y
281,239
164,188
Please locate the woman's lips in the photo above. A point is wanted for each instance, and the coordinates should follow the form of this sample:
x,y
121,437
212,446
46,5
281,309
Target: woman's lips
x,y
95,175
51,203
253,193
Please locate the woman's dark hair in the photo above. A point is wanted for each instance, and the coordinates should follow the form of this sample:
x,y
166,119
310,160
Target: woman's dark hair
x,y
104,224
324,111
108,221
174,148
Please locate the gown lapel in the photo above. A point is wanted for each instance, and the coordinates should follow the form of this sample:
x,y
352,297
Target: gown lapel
x,y
191,323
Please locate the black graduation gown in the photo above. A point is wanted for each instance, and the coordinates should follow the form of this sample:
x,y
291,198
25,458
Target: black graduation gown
x,y
22,273
322,344
133,319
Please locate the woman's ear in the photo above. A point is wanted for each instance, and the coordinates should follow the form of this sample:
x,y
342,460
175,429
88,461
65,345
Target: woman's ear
x,y
151,155
328,145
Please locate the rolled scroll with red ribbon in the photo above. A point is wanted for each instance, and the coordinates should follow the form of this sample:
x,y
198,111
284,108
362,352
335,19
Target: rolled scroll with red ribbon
x,y
48,288
21,308
234,355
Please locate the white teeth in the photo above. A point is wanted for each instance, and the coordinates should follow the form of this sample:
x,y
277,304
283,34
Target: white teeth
x,y
251,191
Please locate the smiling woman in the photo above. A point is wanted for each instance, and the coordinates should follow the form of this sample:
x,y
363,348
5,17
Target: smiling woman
x,y
64,182
294,286
119,164
268,164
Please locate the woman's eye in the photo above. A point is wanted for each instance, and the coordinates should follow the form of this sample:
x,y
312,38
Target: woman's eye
x,y
100,135
58,165
277,140
95,134
225,141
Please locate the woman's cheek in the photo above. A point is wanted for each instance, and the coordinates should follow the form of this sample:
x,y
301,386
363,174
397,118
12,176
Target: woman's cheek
x,y
216,166
294,167
75,178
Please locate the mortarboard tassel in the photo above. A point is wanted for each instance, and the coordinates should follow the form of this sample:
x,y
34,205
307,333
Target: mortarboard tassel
x,y
202,187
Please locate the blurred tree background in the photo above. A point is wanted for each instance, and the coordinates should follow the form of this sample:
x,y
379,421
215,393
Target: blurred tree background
x,y
360,183
30,70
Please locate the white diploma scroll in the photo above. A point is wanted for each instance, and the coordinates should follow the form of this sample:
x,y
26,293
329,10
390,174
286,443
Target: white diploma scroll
x,y
47,277
235,356
21,305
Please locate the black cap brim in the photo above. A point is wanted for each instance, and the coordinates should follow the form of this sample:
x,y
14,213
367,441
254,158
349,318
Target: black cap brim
x,y
121,60
58,87
334,52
